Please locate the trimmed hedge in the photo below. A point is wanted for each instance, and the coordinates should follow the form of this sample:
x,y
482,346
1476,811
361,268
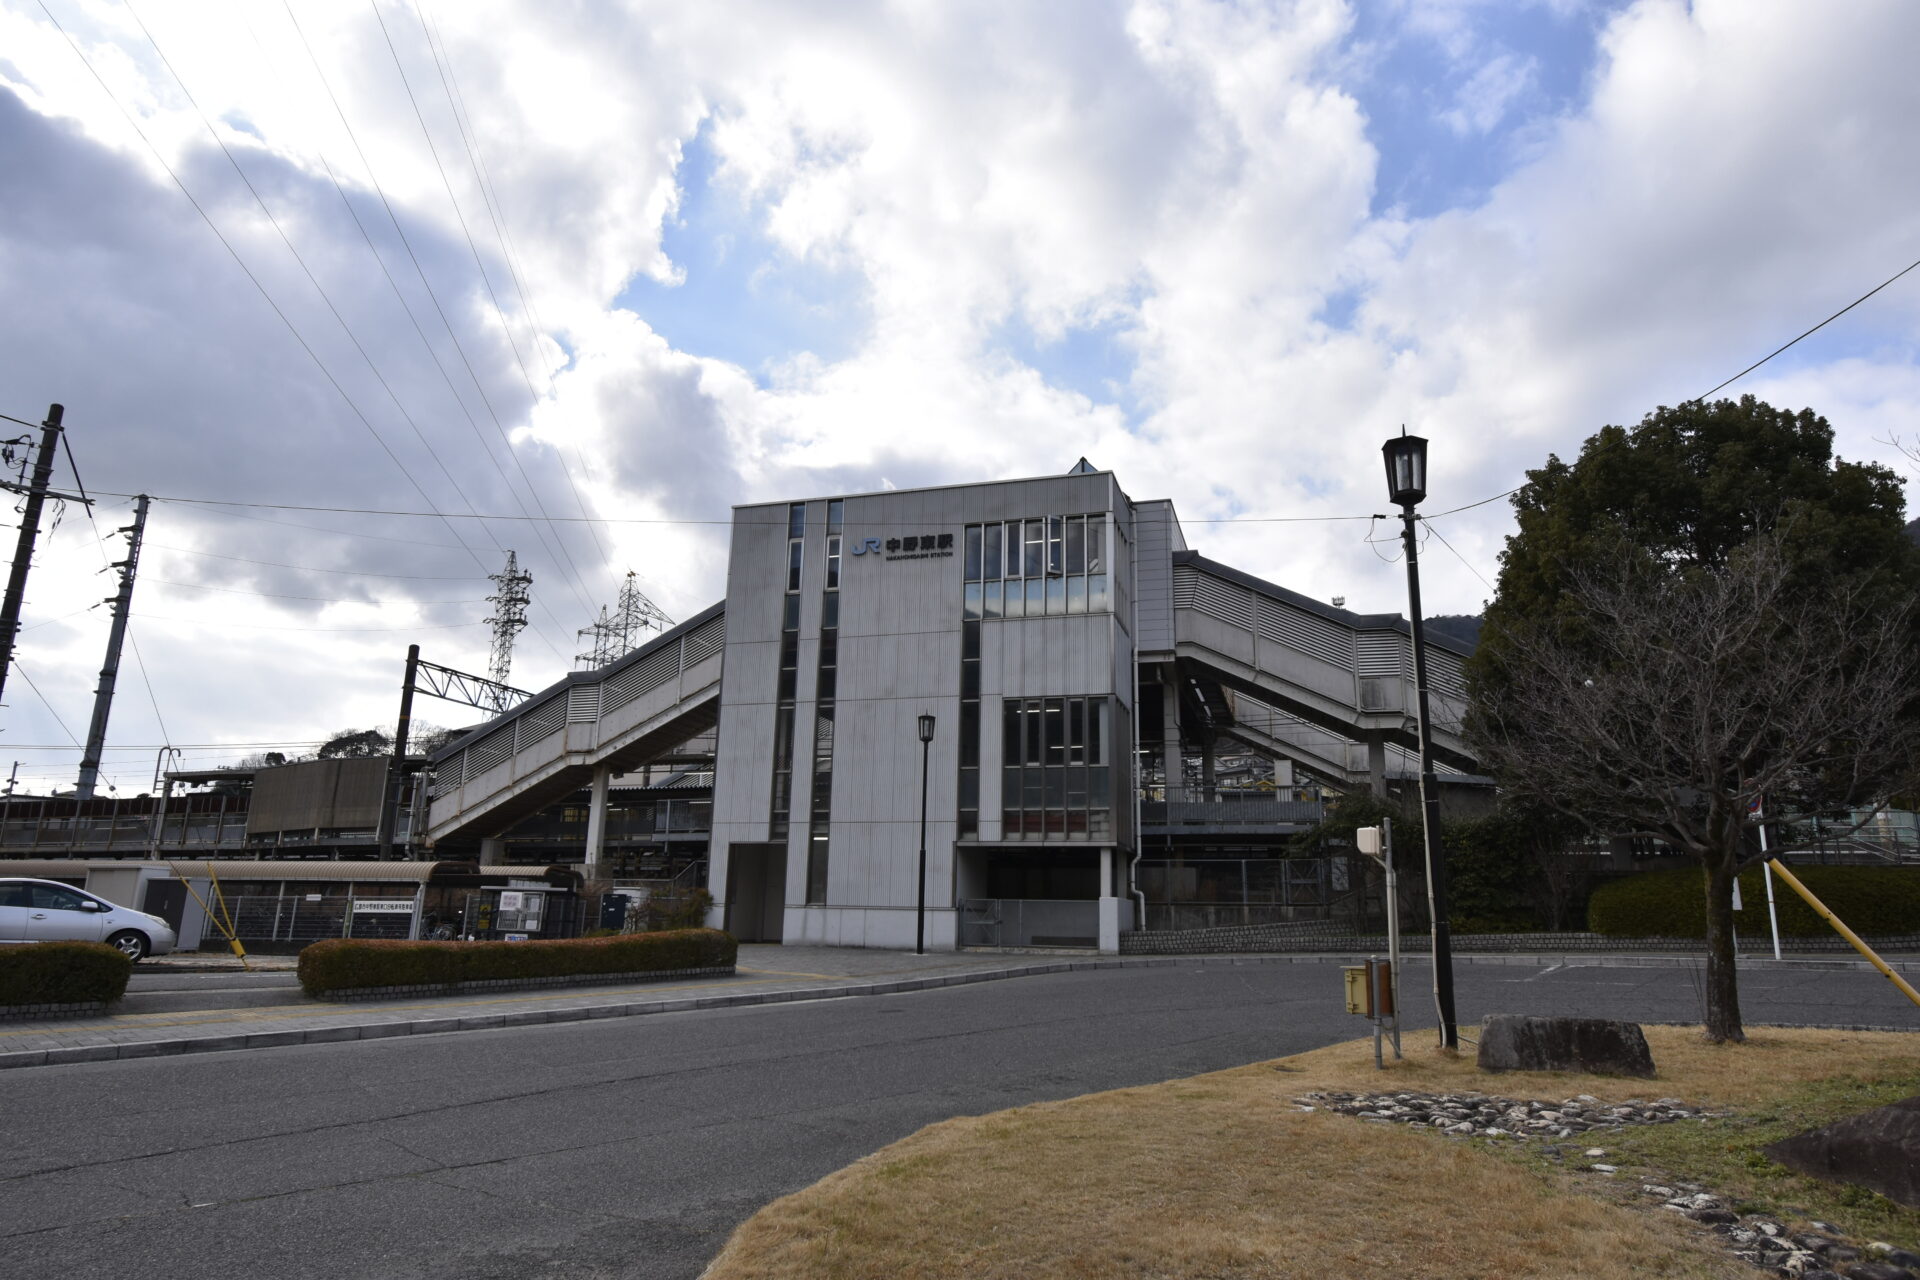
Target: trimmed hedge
x,y
1874,902
347,964
62,973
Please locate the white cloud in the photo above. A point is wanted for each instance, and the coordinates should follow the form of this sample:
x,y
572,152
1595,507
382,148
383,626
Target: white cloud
x,y
1194,178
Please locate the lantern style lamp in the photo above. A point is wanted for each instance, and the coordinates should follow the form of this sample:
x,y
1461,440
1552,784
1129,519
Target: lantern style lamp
x,y
1406,458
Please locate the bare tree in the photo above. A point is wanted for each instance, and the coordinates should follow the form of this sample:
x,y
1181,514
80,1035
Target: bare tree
x,y
1670,702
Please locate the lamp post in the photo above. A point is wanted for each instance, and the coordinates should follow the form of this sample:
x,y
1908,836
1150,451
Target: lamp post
x,y
1406,459
920,918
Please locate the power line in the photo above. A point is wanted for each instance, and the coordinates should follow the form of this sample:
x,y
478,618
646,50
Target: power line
x,y
1462,559
43,702
486,280
259,626
234,253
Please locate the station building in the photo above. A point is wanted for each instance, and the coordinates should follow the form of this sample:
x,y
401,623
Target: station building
x,y
1081,666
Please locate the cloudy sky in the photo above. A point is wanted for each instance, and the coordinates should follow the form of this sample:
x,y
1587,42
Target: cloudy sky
x,y
599,272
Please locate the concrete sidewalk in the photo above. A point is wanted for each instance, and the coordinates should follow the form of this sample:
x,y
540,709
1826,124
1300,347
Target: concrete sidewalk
x,y
766,974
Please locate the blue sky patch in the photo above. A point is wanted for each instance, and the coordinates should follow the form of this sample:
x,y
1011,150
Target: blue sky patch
x,y
1450,120
744,299
1094,360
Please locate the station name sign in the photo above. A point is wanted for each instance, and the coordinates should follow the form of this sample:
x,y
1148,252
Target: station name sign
x,y
924,546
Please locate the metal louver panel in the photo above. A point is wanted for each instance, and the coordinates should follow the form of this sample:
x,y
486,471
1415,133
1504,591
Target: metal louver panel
x,y
707,640
641,678
583,704
1384,654
1311,635
1223,601
542,722
490,751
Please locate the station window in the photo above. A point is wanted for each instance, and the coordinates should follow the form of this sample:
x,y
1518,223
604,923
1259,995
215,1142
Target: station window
x,y
1055,777
1036,568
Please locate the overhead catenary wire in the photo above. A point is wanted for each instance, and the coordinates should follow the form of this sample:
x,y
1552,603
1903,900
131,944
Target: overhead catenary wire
x,y
309,568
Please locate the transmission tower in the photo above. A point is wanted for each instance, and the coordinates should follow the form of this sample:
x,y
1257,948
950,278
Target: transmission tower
x,y
619,633
509,615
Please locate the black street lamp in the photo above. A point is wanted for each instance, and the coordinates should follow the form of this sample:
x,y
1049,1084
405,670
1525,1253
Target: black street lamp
x,y
1406,458
920,923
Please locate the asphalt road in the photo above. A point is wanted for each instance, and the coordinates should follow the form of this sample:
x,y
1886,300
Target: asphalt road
x,y
631,1147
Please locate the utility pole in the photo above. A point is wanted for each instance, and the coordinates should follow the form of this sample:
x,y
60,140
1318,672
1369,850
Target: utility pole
x,y
29,531
122,602
397,768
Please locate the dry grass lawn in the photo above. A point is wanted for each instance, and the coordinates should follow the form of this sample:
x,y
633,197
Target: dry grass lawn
x,y
1221,1176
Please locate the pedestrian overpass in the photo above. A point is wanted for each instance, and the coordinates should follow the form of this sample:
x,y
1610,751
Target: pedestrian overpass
x,y
1234,656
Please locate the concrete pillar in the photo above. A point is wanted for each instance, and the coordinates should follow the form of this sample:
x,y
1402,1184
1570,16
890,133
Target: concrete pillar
x,y
596,821
1377,766
1176,778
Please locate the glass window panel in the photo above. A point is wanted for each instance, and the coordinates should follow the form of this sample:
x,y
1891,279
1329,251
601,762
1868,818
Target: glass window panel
x,y
833,564
969,679
992,607
829,648
1099,824
992,558
1076,595
969,789
973,553
1096,730
1033,755
796,519
1097,593
1016,604
1010,786
1010,822
784,737
1096,543
829,613
1056,595
782,784
790,614
789,649
969,732
785,691
829,684
968,826
1032,782
969,641
1076,731
1013,548
835,510
1036,548
1056,551
1036,597
817,870
973,599
1076,544
1056,717
1010,732
793,565
1099,792
1076,787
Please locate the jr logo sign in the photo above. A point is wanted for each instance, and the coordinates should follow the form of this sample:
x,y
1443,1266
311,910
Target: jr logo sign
x,y
925,546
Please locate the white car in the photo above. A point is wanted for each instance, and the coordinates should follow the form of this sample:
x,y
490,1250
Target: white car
x,y
48,911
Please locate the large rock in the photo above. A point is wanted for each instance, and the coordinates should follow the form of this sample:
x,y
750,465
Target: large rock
x,y
1878,1149
1509,1042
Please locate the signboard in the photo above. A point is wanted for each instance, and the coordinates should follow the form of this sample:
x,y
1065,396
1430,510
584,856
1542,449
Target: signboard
x,y
379,906
514,937
510,899
921,546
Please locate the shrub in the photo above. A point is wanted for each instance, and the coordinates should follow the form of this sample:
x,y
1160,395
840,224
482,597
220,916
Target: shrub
x,y
348,964
62,973
1874,901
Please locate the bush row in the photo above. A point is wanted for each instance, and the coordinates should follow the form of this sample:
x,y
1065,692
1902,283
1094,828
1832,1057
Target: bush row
x,y
62,973
1874,901
346,964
